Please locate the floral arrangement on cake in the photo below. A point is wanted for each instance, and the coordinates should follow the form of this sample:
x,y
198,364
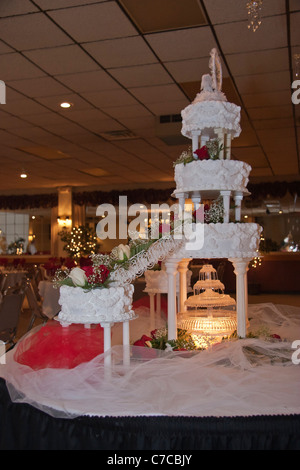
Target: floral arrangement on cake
x,y
159,340
212,213
210,151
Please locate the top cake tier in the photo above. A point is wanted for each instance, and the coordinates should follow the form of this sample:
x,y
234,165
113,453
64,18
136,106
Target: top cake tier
x,y
209,117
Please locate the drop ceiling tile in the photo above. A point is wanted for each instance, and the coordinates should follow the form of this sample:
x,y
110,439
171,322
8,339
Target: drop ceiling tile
x,y
11,122
237,11
24,107
254,156
247,138
4,48
62,60
136,124
109,98
37,87
127,111
279,124
263,38
266,61
17,7
94,80
294,5
160,93
53,103
143,75
94,22
275,98
267,82
271,112
27,31
16,67
171,107
121,52
182,44
295,33
100,126
190,70
56,4
81,116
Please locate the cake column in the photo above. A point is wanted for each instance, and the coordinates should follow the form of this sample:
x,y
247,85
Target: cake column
x,y
226,203
107,343
183,269
195,141
240,269
171,270
220,134
126,343
238,197
152,309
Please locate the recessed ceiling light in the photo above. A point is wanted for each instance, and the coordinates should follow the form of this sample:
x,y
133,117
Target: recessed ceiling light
x,y
65,104
23,175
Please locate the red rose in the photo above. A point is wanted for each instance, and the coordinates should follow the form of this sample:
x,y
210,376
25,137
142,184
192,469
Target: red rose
x,y
275,336
98,276
202,153
142,341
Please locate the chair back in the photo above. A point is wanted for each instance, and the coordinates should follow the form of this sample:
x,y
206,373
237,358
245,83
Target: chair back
x,y
10,310
33,304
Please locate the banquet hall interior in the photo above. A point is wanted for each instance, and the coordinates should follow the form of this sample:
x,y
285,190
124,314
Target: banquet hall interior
x,y
91,96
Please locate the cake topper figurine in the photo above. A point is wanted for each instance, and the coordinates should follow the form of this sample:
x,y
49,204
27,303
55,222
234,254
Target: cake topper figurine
x,y
211,84
216,70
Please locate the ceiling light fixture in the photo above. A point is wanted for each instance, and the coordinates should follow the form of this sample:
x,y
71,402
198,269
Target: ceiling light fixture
x,y
23,175
254,14
65,105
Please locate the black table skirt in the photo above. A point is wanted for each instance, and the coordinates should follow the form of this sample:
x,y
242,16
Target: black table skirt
x,y
23,427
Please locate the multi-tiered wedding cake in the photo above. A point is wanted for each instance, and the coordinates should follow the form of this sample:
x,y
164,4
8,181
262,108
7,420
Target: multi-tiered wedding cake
x,y
207,174
214,182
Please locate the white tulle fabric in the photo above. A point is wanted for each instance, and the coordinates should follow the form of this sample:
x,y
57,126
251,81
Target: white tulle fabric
x,y
237,378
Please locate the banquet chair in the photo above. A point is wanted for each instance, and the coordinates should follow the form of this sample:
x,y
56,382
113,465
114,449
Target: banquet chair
x,y
34,306
10,310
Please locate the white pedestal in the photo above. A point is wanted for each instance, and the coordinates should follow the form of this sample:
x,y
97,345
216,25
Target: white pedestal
x,y
240,269
171,269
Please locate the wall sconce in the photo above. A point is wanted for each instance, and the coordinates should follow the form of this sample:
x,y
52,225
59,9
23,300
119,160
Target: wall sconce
x,y
64,221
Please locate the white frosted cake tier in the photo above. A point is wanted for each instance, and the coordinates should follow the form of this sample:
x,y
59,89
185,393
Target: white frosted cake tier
x,y
224,240
157,281
212,175
203,117
113,304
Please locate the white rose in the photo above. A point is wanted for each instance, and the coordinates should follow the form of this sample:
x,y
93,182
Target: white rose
x,y
78,277
123,250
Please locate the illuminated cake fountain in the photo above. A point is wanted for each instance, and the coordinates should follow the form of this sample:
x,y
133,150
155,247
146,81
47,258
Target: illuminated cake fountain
x,y
209,312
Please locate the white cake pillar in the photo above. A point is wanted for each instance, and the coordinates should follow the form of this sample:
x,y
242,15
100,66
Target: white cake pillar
x,y
126,343
204,140
240,269
171,269
195,141
226,203
158,305
238,197
228,146
183,269
152,310
107,344
196,199
220,134
181,200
